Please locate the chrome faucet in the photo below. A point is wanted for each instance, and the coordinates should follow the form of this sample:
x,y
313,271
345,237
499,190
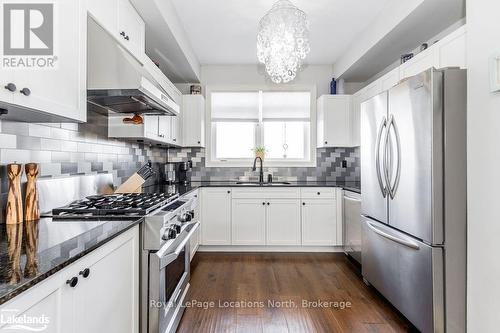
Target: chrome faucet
x,y
261,172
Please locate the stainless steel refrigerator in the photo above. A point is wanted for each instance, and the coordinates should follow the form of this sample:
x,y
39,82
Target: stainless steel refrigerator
x,y
413,176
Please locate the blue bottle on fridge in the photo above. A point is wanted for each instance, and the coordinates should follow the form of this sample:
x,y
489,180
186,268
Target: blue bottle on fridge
x,y
333,87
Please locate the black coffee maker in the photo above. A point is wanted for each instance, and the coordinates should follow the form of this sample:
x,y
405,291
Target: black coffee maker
x,y
178,172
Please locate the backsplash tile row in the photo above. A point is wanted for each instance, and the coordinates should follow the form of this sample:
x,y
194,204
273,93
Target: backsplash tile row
x,y
64,149
329,166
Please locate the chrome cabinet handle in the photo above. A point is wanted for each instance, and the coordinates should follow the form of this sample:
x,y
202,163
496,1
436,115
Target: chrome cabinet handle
x,y
383,189
404,242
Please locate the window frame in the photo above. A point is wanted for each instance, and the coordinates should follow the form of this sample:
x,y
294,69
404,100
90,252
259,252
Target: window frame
x,y
210,132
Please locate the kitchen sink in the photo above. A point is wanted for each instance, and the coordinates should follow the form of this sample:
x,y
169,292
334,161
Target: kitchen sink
x,y
262,184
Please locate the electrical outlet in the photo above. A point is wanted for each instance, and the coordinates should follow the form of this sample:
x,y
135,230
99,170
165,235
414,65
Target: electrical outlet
x,y
344,164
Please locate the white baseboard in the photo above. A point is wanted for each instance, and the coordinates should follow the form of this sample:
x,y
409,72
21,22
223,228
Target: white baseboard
x,y
243,248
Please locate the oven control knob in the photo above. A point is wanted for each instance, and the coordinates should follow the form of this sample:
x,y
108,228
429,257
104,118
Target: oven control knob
x,y
184,218
169,234
177,228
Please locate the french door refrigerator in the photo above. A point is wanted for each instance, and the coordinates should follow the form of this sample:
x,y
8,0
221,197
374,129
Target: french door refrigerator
x,y
413,171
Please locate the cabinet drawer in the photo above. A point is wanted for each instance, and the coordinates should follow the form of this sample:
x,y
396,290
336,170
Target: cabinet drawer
x,y
318,192
267,193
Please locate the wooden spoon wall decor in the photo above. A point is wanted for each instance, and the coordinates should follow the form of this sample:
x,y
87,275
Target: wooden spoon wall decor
x,y
31,208
14,210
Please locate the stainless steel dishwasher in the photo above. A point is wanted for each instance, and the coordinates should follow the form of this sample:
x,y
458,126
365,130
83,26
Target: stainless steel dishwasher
x,y
352,225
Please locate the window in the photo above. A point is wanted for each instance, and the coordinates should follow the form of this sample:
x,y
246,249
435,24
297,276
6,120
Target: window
x,y
278,120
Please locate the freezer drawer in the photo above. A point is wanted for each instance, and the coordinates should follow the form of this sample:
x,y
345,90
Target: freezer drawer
x,y
407,272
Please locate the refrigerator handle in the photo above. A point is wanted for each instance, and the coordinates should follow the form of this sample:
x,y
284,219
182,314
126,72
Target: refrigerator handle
x,y
394,187
383,188
404,242
385,162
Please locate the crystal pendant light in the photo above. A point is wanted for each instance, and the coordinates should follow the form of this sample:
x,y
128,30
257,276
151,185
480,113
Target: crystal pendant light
x,y
283,41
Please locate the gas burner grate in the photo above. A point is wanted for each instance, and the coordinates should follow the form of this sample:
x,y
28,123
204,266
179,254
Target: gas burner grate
x,y
130,204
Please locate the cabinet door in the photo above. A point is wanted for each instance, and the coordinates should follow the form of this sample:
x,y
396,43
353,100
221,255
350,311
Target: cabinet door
x,y
248,222
52,298
355,121
164,131
336,122
61,90
151,127
5,94
105,14
107,300
131,29
216,216
174,130
283,222
319,222
193,121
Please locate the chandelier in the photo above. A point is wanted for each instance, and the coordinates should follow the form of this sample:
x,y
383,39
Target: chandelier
x,y
283,41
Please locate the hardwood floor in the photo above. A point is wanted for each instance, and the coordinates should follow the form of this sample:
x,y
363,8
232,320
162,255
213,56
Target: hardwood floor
x,y
276,285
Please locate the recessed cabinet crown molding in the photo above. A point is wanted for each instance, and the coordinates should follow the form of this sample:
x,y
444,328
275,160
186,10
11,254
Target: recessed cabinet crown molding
x,y
58,93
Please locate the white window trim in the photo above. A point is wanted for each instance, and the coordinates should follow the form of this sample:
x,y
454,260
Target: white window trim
x,y
209,134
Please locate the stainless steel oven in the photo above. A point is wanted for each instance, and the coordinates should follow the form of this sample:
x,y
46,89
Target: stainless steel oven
x,y
169,281
165,264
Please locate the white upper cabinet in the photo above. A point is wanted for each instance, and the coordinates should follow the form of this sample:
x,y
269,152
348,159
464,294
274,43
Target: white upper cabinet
x,y
447,52
161,130
122,22
59,93
193,121
335,122
131,29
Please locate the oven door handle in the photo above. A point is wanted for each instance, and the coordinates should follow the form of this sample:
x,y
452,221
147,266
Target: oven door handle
x,y
166,259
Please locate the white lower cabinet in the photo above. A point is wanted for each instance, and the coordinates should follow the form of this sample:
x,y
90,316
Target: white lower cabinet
x,y
319,222
107,300
271,217
283,222
216,216
248,222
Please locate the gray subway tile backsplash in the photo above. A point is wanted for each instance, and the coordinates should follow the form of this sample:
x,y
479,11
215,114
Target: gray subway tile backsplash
x,y
65,149
328,160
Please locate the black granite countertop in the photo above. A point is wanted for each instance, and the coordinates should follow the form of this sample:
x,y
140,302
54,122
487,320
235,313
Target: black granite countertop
x,y
183,189
34,250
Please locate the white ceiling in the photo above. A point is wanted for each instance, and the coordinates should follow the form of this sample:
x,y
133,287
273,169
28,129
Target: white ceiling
x,y
224,31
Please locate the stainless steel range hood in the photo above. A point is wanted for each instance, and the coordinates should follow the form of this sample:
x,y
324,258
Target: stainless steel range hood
x,y
118,82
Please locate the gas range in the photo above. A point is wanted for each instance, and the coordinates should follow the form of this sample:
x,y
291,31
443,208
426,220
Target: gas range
x,y
114,205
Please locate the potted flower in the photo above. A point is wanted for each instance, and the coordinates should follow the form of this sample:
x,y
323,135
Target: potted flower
x,y
260,151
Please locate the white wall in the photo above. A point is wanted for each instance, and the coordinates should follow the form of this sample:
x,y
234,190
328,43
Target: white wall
x,y
483,39
319,75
